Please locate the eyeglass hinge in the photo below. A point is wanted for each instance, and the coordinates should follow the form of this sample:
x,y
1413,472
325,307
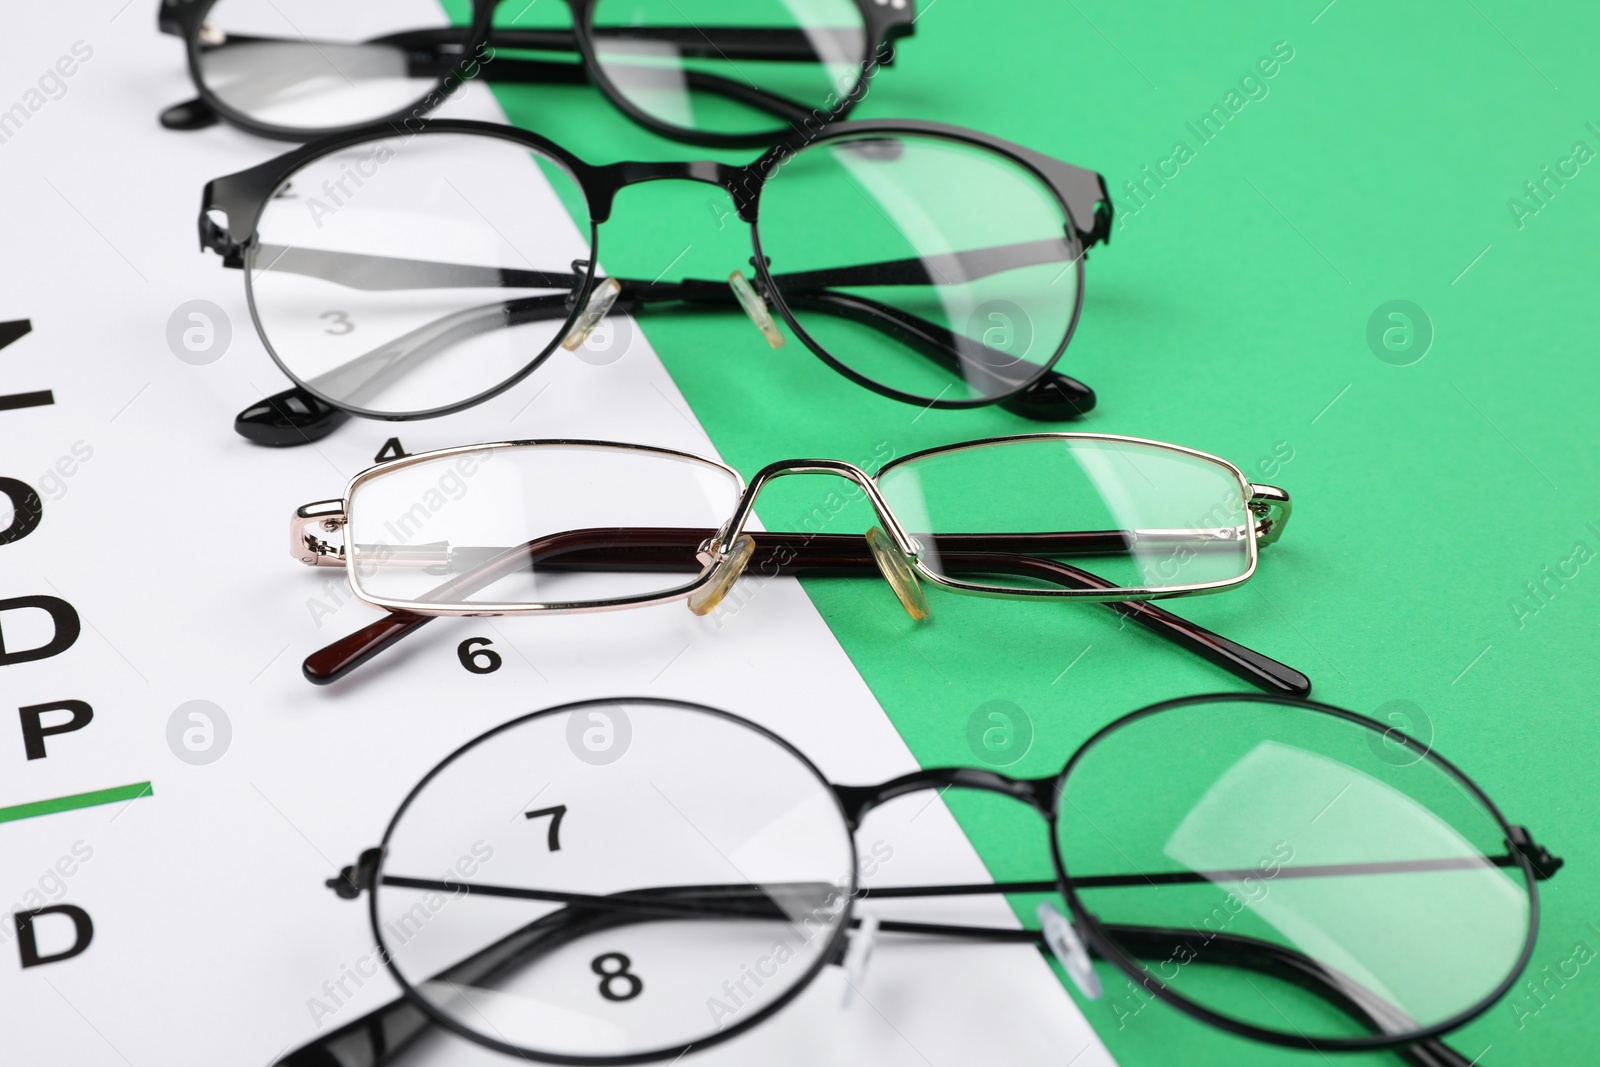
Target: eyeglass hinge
x,y
305,545
215,237
1271,507
1540,859
358,877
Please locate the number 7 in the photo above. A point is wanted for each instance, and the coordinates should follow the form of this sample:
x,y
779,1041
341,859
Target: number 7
x,y
555,823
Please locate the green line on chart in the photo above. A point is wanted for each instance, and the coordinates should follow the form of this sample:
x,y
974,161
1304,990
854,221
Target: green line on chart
x,y
76,800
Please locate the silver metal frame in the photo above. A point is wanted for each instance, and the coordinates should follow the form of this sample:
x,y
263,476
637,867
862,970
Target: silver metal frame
x,y
1269,505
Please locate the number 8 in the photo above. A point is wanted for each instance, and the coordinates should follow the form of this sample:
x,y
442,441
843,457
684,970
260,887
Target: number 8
x,y
635,984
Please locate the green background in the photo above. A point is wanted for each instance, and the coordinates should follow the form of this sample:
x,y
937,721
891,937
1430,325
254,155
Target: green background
x,y
1230,314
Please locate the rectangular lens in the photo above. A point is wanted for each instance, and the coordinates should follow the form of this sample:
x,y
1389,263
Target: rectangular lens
x,y
1041,513
534,525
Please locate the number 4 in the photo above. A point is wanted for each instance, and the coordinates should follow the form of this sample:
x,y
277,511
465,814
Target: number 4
x,y
556,814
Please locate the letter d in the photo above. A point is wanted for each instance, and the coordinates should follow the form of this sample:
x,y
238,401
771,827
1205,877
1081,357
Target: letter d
x,y
83,933
62,614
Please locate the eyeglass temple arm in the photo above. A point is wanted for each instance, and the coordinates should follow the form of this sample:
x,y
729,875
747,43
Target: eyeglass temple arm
x,y
359,270
1340,991
428,55
1245,953
377,1038
297,416
381,1036
821,555
508,69
775,43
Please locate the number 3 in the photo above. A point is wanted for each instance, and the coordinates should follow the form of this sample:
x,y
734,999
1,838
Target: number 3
x,y
341,323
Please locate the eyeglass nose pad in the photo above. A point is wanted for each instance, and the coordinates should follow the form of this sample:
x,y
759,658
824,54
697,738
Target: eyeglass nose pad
x,y
724,573
1068,949
856,957
756,308
605,294
898,573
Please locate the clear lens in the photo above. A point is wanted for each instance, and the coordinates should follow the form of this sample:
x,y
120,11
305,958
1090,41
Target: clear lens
x,y
1047,512
534,524
1317,849
756,67
311,65
937,268
385,276
722,861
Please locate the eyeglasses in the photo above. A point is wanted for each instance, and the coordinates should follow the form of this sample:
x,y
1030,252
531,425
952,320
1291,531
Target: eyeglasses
x,y
1290,872
701,71
408,277
550,527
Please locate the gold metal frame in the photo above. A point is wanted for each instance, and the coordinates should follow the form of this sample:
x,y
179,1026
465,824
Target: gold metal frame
x,y
1269,505
1247,495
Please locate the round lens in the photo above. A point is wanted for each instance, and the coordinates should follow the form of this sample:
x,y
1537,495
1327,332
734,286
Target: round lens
x,y
935,268
1291,869
410,275
537,524
754,68
614,879
310,65
1056,512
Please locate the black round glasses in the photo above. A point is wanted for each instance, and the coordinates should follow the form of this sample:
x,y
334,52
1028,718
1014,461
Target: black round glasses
x,y
409,272
598,882
702,71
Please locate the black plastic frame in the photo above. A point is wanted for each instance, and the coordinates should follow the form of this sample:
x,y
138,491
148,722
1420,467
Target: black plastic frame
x,y
1420,1047
884,23
1080,193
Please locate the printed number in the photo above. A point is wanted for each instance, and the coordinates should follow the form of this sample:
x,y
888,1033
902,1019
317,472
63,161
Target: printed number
x,y
556,814
477,659
341,323
635,985
392,449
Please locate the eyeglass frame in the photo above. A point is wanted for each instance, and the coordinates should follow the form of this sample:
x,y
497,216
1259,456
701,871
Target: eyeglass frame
x,y
1522,852
884,22
814,554
1268,506
1081,195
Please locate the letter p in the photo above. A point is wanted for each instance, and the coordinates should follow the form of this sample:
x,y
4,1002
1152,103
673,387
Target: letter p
x,y
34,730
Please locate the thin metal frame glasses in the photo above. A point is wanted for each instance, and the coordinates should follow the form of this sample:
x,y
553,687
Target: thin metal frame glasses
x,y
1232,516
1480,859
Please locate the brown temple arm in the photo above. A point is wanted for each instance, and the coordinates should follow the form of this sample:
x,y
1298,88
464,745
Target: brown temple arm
x,y
823,555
